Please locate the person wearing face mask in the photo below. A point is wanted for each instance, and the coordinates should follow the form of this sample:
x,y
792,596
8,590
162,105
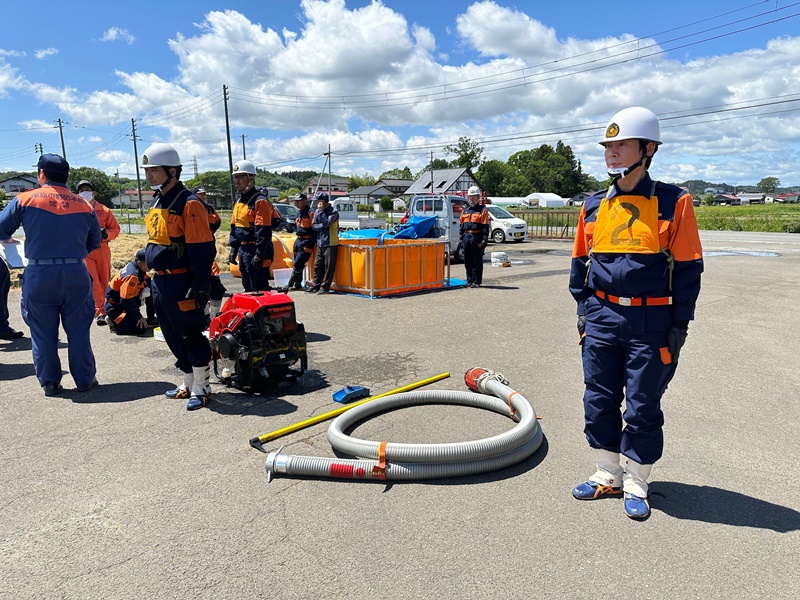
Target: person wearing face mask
x,y
60,231
180,248
636,267
251,230
99,261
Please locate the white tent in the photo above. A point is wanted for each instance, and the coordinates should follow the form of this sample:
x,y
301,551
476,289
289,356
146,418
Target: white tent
x,y
544,200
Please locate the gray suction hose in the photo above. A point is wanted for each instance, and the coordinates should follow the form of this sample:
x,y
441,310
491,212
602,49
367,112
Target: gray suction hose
x,y
392,461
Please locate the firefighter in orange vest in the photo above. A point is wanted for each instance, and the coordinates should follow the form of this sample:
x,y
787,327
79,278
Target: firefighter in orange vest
x,y
635,276
124,297
251,229
181,250
99,261
474,233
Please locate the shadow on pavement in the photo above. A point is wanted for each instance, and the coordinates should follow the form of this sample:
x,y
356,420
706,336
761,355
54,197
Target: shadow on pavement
x,y
118,392
269,401
716,505
14,372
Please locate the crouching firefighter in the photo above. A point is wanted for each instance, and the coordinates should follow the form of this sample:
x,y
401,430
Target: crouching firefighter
x,y
251,230
635,275
304,243
125,295
181,249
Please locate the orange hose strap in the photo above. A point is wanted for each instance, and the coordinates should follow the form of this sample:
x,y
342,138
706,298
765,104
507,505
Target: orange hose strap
x,y
510,396
380,469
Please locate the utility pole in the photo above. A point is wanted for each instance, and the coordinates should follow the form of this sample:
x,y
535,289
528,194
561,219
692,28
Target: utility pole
x,y
244,150
228,137
61,131
330,160
38,148
432,190
194,165
136,158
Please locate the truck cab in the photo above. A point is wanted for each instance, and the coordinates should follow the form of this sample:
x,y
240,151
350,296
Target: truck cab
x,y
447,210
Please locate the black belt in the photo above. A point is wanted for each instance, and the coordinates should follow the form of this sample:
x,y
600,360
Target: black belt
x,y
54,261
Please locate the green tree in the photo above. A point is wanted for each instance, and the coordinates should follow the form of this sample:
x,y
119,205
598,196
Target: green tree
x,y
217,184
386,203
104,186
468,153
768,185
357,181
708,200
404,173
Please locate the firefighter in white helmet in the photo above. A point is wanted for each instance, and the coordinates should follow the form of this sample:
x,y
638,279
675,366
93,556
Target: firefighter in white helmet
x,y
635,275
251,229
181,250
474,233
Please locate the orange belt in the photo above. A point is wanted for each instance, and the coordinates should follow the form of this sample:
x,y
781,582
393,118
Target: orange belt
x,y
173,271
646,301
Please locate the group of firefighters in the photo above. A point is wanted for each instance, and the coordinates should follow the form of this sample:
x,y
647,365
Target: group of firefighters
x,y
635,275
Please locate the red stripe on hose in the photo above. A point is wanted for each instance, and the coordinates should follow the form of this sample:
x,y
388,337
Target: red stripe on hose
x,y
341,470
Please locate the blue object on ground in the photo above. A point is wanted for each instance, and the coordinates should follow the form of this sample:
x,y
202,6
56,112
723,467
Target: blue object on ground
x,y
349,393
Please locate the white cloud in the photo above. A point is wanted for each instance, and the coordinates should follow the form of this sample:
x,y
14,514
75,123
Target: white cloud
x,y
356,91
114,34
13,53
45,53
38,124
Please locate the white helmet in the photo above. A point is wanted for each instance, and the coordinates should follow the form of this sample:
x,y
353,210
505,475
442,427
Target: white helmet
x,y
634,123
161,155
474,191
244,166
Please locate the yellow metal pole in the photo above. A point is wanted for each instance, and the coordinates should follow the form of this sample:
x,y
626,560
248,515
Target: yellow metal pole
x,y
257,441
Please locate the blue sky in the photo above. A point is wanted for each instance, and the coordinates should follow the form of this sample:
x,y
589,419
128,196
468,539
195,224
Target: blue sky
x,y
387,83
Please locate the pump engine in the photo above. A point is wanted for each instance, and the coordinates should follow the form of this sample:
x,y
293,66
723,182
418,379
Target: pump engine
x,y
258,340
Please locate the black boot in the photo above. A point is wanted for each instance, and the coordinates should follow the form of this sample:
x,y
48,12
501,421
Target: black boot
x,y
296,280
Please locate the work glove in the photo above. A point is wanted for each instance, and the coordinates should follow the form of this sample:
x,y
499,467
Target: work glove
x,y
257,263
232,256
582,325
200,298
676,338
104,233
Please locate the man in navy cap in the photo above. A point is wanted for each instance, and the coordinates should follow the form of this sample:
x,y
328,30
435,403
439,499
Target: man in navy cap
x,y
61,229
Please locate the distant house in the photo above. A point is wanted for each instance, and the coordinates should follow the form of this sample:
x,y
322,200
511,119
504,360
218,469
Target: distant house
x,y
130,198
14,185
443,181
784,198
397,187
370,194
750,198
336,186
579,198
726,199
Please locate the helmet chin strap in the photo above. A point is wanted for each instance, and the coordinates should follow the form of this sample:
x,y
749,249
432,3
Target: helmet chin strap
x,y
621,172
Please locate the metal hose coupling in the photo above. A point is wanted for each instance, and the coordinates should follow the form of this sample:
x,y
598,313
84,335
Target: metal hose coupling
x,y
393,461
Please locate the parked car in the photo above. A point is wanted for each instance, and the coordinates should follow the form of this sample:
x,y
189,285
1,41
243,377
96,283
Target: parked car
x,y
505,226
288,214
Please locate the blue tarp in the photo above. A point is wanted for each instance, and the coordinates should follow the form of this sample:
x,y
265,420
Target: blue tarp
x,y
415,228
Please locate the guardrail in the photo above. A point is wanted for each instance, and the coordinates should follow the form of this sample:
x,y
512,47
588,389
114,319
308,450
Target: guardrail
x,y
552,224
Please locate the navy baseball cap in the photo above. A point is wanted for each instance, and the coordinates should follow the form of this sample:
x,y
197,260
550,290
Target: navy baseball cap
x,y
53,163
140,255
198,189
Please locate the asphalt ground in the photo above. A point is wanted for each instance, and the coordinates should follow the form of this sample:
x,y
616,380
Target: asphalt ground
x,y
122,493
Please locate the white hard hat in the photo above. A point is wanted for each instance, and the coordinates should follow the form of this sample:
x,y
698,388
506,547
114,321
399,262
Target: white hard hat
x,y
244,166
634,123
161,155
473,191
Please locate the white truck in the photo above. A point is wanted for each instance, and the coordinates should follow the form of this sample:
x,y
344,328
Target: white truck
x,y
447,210
349,219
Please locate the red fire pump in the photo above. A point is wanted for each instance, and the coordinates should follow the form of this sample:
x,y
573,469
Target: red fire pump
x,y
258,340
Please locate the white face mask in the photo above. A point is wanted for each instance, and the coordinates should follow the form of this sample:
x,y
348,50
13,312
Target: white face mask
x,y
87,196
156,188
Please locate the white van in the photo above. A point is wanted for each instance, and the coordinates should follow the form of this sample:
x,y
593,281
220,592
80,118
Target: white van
x,y
505,226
